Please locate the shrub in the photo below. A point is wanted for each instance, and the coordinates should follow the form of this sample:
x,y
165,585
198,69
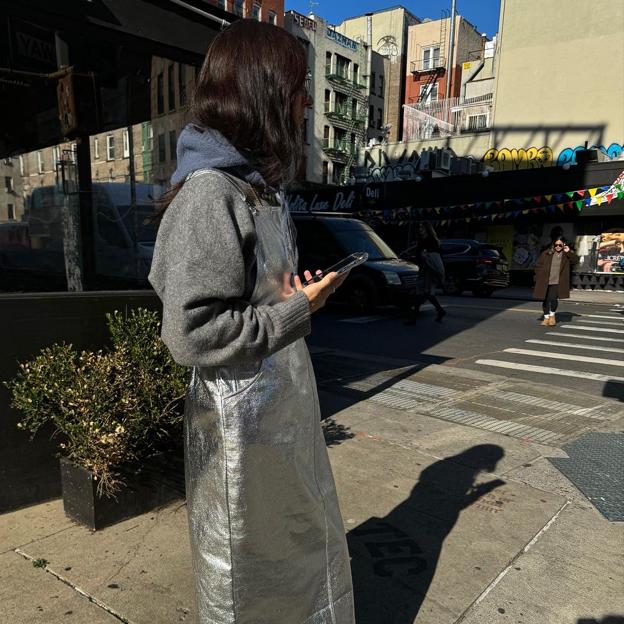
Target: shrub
x,y
110,406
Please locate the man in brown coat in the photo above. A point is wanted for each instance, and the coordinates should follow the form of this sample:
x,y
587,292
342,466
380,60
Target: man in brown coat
x,y
552,277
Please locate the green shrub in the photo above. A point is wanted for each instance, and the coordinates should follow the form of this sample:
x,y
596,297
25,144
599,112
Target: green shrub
x,y
109,407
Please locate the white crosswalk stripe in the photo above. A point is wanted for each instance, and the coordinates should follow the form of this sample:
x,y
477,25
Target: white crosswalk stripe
x,y
566,356
603,316
595,329
620,324
572,345
586,337
547,370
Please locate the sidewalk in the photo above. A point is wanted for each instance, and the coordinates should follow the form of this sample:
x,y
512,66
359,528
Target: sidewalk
x,y
447,522
523,293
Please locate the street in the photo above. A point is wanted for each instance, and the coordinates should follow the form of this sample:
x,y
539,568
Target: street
x,y
584,351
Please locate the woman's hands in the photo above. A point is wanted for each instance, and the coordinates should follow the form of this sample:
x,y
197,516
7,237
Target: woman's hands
x,y
318,292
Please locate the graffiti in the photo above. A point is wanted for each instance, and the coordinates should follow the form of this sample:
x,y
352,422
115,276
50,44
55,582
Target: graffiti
x,y
506,159
568,155
511,159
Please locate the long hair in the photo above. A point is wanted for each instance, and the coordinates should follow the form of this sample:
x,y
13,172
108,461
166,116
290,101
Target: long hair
x,y
250,83
248,87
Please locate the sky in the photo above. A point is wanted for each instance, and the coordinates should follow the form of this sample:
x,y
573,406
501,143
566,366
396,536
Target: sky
x,y
482,13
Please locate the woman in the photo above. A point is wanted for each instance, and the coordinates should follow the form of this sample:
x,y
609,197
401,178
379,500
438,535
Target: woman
x,y
552,278
267,538
427,256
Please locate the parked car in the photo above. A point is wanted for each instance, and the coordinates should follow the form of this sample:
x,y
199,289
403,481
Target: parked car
x,y
471,265
383,279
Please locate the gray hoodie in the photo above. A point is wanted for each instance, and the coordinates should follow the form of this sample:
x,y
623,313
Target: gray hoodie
x,y
203,268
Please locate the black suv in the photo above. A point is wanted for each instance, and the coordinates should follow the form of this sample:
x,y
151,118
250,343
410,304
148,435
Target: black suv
x,y
382,279
475,266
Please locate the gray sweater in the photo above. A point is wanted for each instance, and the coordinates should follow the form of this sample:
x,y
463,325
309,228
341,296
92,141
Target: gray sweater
x,y
204,272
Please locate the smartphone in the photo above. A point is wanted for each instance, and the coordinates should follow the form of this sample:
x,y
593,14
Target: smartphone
x,y
346,264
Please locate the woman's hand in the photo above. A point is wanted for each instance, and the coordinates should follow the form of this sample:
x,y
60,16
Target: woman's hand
x,y
566,249
318,292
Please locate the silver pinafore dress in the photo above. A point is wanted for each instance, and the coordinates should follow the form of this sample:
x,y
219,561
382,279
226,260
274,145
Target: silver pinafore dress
x,y
267,538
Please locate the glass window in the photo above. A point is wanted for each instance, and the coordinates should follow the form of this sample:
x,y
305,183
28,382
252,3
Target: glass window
x,y
162,155
110,147
126,144
371,115
239,7
223,5
373,82
22,165
361,238
96,149
8,184
272,18
171,88
328,62
381,86
429,93
172,144
11,212
255,11
325,172
160,94
40,162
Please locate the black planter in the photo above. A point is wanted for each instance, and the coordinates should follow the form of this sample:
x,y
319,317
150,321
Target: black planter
x,y
154,482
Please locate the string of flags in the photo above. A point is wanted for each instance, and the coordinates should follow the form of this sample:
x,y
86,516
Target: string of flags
x,y
513,208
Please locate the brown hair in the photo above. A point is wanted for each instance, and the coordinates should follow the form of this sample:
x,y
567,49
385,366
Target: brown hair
x,y
248,87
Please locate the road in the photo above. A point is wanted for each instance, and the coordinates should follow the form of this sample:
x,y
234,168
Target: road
x,y
584,352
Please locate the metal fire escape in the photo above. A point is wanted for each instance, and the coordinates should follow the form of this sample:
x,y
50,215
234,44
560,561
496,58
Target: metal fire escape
x,y
434,67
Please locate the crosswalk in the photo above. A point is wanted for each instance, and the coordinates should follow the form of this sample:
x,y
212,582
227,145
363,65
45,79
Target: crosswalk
x,y
590,347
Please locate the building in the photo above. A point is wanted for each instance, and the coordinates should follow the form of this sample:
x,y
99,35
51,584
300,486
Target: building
x,y
348,108
389,38
271,11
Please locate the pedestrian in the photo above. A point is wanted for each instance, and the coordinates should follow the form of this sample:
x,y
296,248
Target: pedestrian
x,y
267,539
427,256
552,277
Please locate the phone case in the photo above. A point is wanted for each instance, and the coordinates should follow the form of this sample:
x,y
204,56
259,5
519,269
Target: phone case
x,y
346,264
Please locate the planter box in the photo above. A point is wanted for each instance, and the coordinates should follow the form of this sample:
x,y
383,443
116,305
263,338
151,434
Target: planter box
x,y
154,482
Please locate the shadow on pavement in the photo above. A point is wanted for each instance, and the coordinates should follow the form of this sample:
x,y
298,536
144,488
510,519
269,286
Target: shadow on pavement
x,y
394,558
610,619
614,390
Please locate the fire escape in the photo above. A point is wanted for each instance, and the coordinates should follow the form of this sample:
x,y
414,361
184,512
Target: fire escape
x,y
430,64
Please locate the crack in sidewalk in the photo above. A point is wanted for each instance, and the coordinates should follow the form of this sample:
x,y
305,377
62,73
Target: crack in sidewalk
x,y
77,589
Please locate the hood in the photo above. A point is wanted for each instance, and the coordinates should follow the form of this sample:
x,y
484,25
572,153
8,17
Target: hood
x,y
398,265
205,148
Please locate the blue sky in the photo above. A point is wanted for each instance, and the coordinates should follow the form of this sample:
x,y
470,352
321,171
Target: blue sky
x,y
482,13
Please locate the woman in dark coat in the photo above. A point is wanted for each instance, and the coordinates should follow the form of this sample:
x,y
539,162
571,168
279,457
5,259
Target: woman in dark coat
x,y
552,277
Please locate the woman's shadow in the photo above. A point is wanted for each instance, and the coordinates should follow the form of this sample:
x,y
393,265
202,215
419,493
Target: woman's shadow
x,y
394,558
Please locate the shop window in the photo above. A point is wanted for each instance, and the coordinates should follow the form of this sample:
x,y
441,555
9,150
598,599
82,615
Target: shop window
x,y
162,156
126,144
110,147
172,145
171,88
160,94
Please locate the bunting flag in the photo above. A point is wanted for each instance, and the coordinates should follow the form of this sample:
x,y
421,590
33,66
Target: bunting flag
x,y
592,191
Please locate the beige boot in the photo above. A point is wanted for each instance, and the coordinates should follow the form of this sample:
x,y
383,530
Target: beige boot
x,y
545,321
552,321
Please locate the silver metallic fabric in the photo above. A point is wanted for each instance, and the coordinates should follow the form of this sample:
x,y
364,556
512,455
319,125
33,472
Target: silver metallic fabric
x,y
267,538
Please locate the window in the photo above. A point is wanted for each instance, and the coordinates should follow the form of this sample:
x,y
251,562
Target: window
x,y
255,12
8,184
429,93
477,122
40,162
371,115
11,212
272,19
172,145
342,66
239,7
170,87
431,57
356,72
379,118
373,81
110,147
126,144
327,99
381,86
337,173
328,62
354,109
96,149
160,94
56,154
326,135
325,172
22,167
223,5
162,155
182,84
148,146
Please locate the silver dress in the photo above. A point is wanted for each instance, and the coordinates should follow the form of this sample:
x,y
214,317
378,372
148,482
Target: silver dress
x,y
267,538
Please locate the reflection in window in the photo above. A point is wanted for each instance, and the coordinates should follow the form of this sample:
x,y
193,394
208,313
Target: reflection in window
x,y
160,94
110,147
162,156
170,88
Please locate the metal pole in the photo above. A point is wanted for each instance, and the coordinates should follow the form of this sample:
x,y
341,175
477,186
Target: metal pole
x,y
449,62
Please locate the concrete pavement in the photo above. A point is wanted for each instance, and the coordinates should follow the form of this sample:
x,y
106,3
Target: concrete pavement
x,y
447,523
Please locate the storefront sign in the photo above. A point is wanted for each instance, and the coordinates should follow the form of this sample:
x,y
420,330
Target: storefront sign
x,y
303,21
341,39
610,256
340,202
